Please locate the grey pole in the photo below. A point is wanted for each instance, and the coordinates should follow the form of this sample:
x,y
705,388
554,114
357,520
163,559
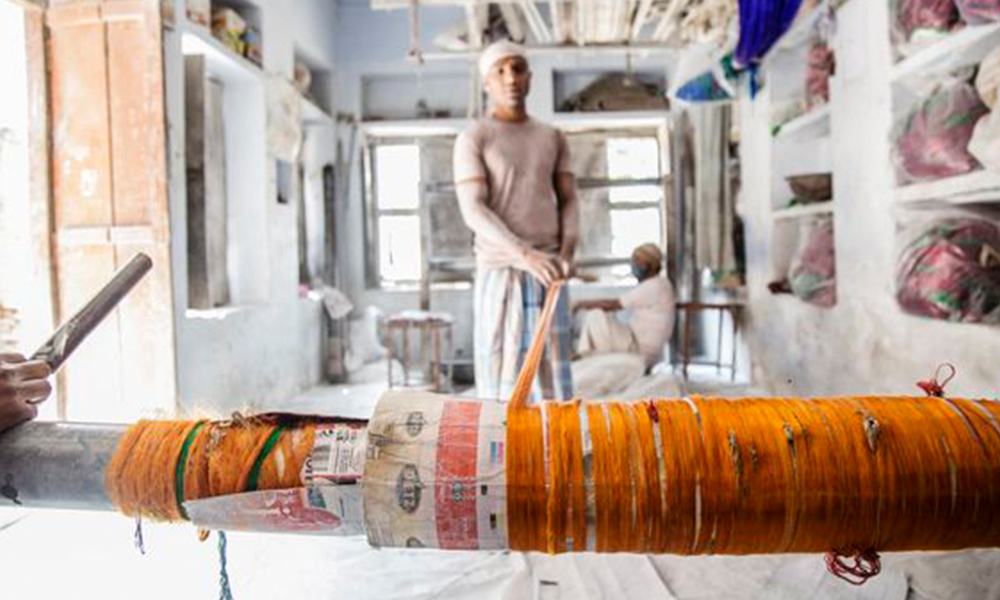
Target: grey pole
x,y
57,464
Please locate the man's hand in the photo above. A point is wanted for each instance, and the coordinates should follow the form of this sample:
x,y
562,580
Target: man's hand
x,y
543,266
567,265
22,385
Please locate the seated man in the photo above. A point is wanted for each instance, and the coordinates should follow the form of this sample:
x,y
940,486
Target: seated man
x,y
652,319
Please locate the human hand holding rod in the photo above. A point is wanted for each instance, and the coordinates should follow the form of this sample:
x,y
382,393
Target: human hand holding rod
x,y
23,381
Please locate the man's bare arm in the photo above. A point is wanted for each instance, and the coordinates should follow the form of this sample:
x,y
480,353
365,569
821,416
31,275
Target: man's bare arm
x,y
488,226
569,217
605,304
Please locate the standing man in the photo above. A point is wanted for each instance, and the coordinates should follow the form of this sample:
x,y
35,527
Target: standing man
x,y
518,195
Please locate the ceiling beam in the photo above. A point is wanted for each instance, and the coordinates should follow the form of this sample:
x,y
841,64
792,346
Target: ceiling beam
x,y
641,14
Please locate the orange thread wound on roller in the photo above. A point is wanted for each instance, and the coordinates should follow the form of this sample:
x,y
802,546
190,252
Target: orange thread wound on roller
x,y
764,475
140,478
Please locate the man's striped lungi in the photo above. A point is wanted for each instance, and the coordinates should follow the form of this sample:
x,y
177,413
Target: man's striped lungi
x,y
507,305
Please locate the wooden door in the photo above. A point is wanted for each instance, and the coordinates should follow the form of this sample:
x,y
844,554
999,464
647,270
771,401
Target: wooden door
x,y
109,195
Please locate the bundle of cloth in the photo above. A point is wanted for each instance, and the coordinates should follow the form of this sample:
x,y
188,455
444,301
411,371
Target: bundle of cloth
x,y
819,69
950,269
954,129
918,22
812,275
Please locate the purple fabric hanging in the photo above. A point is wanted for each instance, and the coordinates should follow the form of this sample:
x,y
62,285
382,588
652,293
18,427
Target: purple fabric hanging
x,y
762,22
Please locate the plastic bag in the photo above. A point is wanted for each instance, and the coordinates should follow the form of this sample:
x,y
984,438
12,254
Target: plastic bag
x,y
915,22
812,275
977,12
702,76
985,141
988,79
950,269
932,142
818,71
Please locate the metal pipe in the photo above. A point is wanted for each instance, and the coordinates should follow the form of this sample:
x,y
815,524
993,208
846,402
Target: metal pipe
x,y
57,464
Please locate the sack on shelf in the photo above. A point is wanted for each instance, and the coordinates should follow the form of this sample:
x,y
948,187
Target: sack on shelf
x,y
812,274
932,141
818,71
977,12
949,268
918,22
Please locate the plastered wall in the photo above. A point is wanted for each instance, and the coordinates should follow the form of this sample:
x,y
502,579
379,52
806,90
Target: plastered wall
x,y
865,344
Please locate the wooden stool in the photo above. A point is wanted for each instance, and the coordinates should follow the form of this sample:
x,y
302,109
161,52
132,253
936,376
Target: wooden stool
x,y
435,331
735,310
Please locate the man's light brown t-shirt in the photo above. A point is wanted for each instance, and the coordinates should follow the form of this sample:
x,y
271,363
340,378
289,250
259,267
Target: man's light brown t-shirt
x,y
519,163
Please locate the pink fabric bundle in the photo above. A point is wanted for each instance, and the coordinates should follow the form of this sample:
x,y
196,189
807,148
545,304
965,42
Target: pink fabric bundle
x,y
911,16
933,142
951,271
818,72
977,12
812,275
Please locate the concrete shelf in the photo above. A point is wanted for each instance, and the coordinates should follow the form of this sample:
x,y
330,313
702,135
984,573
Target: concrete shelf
x,y
960,49
816,120
312,114
975,187
406,127
804,210
611,118
222,61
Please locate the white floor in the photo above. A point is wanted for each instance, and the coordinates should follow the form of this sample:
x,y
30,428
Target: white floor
x,y
90,555
49,554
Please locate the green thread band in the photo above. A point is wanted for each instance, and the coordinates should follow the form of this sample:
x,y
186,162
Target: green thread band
x,y
181,465
272,441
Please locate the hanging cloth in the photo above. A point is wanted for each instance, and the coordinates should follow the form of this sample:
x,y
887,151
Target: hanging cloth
x,y
762,23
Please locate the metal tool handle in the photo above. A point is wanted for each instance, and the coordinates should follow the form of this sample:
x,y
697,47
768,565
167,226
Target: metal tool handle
x,y
65,340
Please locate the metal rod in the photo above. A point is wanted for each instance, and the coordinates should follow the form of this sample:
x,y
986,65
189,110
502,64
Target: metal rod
x,y
57,464
65,340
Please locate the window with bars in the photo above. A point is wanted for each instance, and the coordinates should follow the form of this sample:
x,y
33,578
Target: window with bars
x,y
394,181
635,197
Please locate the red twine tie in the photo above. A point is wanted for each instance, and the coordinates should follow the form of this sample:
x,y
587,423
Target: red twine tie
x,y
866,564
935,387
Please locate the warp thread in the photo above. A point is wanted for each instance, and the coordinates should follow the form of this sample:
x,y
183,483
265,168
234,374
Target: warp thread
x,y
757,475
754,475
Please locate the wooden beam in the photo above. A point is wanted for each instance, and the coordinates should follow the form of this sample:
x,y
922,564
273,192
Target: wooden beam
x,y
641,14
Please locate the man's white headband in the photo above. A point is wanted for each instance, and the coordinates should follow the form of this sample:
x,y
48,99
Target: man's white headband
x,y
498,51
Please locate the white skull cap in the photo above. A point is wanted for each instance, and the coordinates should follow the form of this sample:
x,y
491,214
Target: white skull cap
x,y
497,51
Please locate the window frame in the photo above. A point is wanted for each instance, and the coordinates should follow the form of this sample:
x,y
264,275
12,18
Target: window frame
x,y
369,173
662,181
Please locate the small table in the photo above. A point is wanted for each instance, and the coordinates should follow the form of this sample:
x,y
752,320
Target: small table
x,y
435,329
735,310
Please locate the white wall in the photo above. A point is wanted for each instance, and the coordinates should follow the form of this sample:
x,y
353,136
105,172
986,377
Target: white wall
x,y
373,42
269,348
865,344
